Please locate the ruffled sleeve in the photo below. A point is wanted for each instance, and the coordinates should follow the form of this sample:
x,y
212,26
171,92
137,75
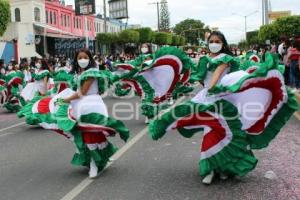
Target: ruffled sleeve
x,y
104,79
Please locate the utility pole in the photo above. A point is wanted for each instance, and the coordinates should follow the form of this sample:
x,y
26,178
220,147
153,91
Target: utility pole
x,y
158,17
265,11
104,15
245,18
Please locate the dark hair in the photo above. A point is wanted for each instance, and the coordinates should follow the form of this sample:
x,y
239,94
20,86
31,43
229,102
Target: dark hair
x,y
44,65
76,67
296,44
149,47
220,35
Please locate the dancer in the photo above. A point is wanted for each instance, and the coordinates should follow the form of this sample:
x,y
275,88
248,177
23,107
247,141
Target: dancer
x,y
39,87
237,111
14,83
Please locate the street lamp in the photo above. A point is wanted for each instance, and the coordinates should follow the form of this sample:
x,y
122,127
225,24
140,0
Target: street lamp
x,y
245,16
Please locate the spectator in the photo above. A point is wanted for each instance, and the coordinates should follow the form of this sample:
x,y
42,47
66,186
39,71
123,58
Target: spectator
x,y
293,61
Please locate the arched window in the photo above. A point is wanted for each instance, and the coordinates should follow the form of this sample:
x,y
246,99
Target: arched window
x,y
37,14
17,15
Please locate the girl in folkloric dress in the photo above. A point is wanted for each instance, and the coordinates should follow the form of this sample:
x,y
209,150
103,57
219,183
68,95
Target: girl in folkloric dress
x,y
14,83
84,114
39,87
3,89
237,111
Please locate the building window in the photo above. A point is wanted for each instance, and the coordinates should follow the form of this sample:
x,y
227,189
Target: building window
x,y
47,16
54,17
17,15
68,20
51,17
65,20
37,14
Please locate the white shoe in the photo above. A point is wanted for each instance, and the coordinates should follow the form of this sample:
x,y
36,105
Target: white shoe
x,y
93,169
208,178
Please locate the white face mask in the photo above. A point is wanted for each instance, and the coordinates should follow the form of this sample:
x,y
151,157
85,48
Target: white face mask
x,y
10,67
144,50
38,65
83,63
2,71
215,47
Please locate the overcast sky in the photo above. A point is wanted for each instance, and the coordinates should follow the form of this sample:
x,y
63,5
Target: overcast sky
x,y
215,13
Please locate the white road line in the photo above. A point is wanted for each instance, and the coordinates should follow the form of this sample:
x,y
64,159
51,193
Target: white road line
x,y
87,181
10,127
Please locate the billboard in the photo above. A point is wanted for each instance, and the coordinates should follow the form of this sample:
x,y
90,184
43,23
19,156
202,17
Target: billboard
x,y
118,9
85,7
278,14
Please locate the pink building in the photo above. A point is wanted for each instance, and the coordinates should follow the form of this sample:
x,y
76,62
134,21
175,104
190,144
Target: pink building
x,y
64,18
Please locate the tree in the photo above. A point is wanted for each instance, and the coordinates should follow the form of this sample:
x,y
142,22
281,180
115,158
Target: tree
x,y
252,38
164,24
129,36
146,35
268,32
175,40
288,26
4,16
162,38
192,30
108,38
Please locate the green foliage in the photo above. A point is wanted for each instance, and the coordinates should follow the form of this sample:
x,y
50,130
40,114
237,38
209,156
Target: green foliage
x,y
129,36
164,24
108,38
268,32
146,35
192,30
162,38
175,40
252,38
4,16
287,26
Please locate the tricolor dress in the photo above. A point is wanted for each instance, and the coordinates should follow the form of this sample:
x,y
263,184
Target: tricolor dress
x,y
37,111
88,121
84,121
3,89
37,87
243,111
161,79
125,71
14,84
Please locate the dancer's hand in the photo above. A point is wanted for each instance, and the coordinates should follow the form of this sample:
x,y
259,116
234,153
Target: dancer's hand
x,y
60,102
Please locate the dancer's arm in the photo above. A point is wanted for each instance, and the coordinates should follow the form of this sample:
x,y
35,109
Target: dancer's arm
x,y
217,75
83,90
45,85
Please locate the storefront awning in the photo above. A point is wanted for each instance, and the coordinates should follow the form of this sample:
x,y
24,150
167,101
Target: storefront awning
x,y
60,33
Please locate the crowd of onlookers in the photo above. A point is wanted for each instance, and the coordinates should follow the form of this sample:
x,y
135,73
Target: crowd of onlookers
x,y
288,50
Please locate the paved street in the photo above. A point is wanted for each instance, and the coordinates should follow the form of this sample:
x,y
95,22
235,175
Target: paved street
x,y
35,164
